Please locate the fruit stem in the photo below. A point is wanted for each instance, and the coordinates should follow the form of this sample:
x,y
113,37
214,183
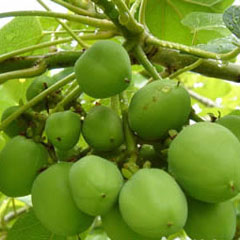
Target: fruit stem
x,y
37,99
36,70
142,58
129,21
95,22
195,117
142,11
75,93
78,10
151,40
114,103
65,26
129,137
187,68
99,35
134,7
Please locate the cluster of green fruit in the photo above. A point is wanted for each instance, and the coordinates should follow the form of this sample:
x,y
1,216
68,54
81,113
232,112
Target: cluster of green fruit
x,y
193,192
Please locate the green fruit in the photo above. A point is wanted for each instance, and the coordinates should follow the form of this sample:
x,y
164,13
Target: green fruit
x,y
17,126
53,203
63,129
152,204
235,112
204,158
117,229
95,184
232,122
38,85
104,70
20,162
148,153
157,108
210,221
102,129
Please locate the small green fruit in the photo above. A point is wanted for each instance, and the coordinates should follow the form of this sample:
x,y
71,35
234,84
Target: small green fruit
x,y
17,126
104,70
53,203
152,204
210,221
117,229
95,183
63,129
157,108
204,158
20,162
232,122
102,129
38,85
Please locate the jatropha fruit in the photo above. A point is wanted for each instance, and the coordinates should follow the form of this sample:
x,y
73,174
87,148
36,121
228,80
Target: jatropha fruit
x,y
104,69
204,159
157,108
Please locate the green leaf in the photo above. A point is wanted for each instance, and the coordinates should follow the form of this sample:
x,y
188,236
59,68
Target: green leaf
x,y
220,45
198,21
28,227
231,18
163,18
19,33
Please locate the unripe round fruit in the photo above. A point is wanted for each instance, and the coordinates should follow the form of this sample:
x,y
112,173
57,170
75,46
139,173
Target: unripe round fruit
x,y
102,129
63,129
204,159
112,69
95,184
17,126
53,203
210,221
117,229
158,107
20,162
36,87
232,122
152,204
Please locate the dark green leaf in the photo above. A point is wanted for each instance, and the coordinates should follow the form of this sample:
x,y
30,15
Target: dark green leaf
x,y
231,18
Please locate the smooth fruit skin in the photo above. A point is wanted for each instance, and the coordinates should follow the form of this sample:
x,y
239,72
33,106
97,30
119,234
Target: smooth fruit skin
x,y
63,129
232,122
17,126
117,229
54,205
204,159
95,184
20,162
158,107
104,70
102,129
210,221
152,204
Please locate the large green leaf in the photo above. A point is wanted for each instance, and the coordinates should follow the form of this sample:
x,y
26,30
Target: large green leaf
x,y
164,17
28,227
19,33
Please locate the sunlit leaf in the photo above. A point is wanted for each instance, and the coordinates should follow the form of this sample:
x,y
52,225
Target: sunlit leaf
x,y
19,33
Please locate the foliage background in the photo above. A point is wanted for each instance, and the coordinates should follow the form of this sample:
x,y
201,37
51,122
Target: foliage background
x,y
212,96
